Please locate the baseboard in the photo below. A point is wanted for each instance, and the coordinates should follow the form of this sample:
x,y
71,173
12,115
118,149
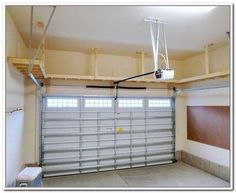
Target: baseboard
x,y
213,168
178,155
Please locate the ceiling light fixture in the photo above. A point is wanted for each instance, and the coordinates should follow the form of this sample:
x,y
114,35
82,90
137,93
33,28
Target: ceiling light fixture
x,y
40,24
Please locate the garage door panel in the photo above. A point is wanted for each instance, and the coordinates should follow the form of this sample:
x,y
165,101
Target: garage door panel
x,y
107,137
107,162
122,122
154,149
123,143
160,140
87,134
157,113
60,146
89,163
122,151
55,156
61,134
159,121
106,152
62,114
138,127
138,140
138,160
123,161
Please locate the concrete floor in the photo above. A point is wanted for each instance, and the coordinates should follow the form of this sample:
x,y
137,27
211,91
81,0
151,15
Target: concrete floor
x,y
171,175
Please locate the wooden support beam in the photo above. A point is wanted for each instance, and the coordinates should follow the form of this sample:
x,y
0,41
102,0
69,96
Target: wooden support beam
x,y
142,63
206,54
95,65
22,61
206,60
43,53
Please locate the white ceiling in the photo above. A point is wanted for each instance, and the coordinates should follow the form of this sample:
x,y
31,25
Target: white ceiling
x,y
122,30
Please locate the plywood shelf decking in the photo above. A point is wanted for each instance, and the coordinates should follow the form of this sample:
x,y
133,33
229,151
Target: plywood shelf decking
x,y
204,77
136,79
22,64
70,77
147,80
103,78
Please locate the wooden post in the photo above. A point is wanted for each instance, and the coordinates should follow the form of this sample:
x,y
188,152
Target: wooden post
x,y
95,64
43,53
207,67
206,60
142,63
142,66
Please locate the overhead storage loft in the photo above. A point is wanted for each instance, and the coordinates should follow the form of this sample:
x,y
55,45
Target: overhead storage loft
x,y
39,72
22,64
34,68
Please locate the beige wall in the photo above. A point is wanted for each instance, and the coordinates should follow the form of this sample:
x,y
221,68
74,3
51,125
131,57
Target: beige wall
x,y
64,62
118,66
14,98
193,66
76,63
180,122
219,60
31,125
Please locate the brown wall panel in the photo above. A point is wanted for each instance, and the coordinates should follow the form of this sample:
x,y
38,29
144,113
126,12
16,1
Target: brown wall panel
x,y
209,125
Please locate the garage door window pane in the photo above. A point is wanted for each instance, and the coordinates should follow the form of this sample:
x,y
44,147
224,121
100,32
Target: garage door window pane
x,y
62,103
159,103
130,103
98,103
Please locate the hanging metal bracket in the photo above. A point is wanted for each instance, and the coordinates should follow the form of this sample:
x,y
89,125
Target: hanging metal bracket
x,y
32,58
117,89
158,36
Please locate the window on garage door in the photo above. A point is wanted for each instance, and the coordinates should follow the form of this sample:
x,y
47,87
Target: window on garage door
x,y
62,102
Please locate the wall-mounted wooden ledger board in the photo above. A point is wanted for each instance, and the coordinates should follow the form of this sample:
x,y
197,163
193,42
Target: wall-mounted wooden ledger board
x,y
209,125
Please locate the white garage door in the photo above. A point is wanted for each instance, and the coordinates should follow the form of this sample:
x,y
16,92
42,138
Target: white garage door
x,y
82,134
